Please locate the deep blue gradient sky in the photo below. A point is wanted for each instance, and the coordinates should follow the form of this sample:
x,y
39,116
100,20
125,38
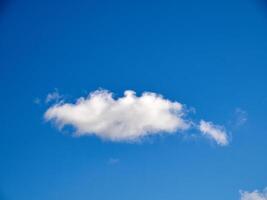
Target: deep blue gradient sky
x,y
210,55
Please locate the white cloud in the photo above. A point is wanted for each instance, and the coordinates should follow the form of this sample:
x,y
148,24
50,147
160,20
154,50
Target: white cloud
x,y
214,132
128,118
54,96
255,195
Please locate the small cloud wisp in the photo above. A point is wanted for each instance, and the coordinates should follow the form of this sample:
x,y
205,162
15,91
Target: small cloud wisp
x,y
214,132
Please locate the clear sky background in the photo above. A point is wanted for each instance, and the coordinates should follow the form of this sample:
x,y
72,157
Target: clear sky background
x,y
210,55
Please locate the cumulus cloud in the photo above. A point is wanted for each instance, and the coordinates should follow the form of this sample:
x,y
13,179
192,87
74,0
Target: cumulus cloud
x,y
255,195
214,132
130,117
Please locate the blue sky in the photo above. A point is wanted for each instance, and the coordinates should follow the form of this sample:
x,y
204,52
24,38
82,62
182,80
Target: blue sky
x,y
208,55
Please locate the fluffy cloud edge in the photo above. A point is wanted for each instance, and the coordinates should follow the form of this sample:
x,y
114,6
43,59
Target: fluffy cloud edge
x,y
254,195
